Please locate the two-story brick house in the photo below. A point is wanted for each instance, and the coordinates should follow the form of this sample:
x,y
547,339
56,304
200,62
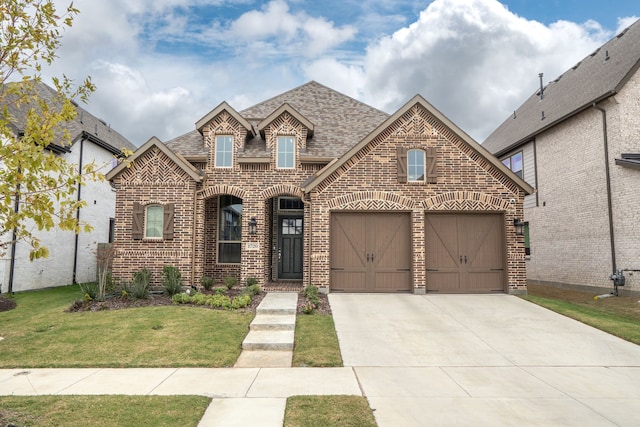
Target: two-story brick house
x,y
314,187
577,141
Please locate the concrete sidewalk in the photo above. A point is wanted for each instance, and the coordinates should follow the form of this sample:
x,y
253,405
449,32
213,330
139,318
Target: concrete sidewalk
x,y
242,396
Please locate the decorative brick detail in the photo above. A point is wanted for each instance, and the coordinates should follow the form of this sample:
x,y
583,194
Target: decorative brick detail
x,y
153,168
466,201
371,200
218,190
282,190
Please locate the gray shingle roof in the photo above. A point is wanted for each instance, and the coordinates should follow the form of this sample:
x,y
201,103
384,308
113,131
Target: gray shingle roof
x,y
85,124
340,122
598,76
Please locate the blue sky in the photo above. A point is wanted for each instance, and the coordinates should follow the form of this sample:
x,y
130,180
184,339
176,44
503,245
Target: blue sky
x,y
160,65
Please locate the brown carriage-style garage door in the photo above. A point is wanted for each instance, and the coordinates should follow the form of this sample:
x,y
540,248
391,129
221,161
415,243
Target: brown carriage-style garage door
x,y
370,252
465,253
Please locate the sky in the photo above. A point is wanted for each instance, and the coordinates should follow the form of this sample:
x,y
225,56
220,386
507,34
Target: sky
x,y
161,65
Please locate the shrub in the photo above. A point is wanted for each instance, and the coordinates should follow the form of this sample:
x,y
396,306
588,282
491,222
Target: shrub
x,y
230,282
199,298
171,279
311,293
207,282
252,289
89,291
251,281
241,301
220,291
219,301
308,307
139,287
181,299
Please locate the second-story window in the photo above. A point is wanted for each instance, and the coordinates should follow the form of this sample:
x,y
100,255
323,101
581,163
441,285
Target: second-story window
x,y
286,152
154,222
415,165
514,162
224,151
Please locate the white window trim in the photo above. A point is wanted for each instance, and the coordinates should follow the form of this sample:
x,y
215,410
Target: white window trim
x,y
215,152
293,166
424,166
146,215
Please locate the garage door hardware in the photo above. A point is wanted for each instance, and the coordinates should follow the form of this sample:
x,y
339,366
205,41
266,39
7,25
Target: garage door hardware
x,y
370,256
465,259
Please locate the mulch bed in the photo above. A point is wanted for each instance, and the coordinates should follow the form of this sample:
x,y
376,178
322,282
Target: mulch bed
x,y
118,303
6,304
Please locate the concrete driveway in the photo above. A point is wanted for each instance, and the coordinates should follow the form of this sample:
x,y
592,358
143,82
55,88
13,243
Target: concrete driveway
x,y
456,360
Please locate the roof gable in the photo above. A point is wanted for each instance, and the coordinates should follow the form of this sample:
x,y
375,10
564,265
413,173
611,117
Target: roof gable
x,y
286,108
180,161
329,170
598,76
200,124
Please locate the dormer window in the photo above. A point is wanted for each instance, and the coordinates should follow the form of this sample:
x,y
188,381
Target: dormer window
x,y
224,151
415,165
285,152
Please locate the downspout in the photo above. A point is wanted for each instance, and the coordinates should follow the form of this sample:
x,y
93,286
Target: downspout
x,y
535,169
76,242
14,233
608,177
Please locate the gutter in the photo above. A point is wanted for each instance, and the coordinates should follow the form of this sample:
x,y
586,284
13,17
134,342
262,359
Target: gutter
x,y
608,178
79,198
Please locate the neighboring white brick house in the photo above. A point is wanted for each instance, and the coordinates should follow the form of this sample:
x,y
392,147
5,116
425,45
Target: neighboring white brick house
x,y
71,258
580,231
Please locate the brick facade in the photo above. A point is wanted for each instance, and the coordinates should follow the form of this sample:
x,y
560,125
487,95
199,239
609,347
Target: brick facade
x,y
365,181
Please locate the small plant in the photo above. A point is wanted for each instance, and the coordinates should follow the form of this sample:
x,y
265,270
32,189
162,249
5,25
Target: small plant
x,y
89,291
171,279
251,281
220,291
308,307
139,287
230,282
207,282
240,301
252,290
311,293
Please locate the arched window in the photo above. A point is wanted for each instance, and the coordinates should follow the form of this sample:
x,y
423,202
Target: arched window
x,y
415,165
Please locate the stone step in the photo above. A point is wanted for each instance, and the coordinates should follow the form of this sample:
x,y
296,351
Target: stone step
x,y
268,340
273,322
278,303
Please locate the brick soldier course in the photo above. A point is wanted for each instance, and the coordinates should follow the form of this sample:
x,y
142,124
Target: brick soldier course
x,y
347,157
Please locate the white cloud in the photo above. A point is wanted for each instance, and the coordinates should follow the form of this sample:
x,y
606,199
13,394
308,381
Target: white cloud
x,y
473,59
625,22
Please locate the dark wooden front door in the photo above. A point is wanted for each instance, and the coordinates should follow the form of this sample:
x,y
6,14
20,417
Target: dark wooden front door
x,y
465,253
370,252
290,232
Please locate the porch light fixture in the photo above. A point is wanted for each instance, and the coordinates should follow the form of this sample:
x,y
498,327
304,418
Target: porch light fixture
x,y
519,225
253,225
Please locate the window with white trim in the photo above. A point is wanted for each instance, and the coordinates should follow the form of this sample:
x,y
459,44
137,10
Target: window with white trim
x,y
153,222
224,151
285,152
415,165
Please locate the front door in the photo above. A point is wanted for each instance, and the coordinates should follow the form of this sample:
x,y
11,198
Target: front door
x,y
290,231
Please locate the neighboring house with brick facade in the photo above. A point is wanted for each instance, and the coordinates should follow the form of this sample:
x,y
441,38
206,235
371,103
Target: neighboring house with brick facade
x,y
314,187
72,257
577,141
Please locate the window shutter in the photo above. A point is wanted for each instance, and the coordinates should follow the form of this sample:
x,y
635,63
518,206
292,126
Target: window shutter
x,y
137,227
432,165
167,223
402,165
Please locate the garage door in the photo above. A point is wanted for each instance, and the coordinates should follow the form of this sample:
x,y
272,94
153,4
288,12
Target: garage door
x,y
370,252
465,253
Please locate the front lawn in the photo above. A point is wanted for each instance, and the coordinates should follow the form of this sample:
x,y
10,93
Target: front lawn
x,y
316,342
107,411
40,334
619,316
335,411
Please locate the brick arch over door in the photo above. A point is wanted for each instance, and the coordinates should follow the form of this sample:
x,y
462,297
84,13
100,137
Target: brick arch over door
x,y
282,190
466,200
371,200
217,190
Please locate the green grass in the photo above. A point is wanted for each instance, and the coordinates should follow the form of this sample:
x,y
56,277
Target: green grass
x,y
97,411
605,318
316,342
322,411
39,334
